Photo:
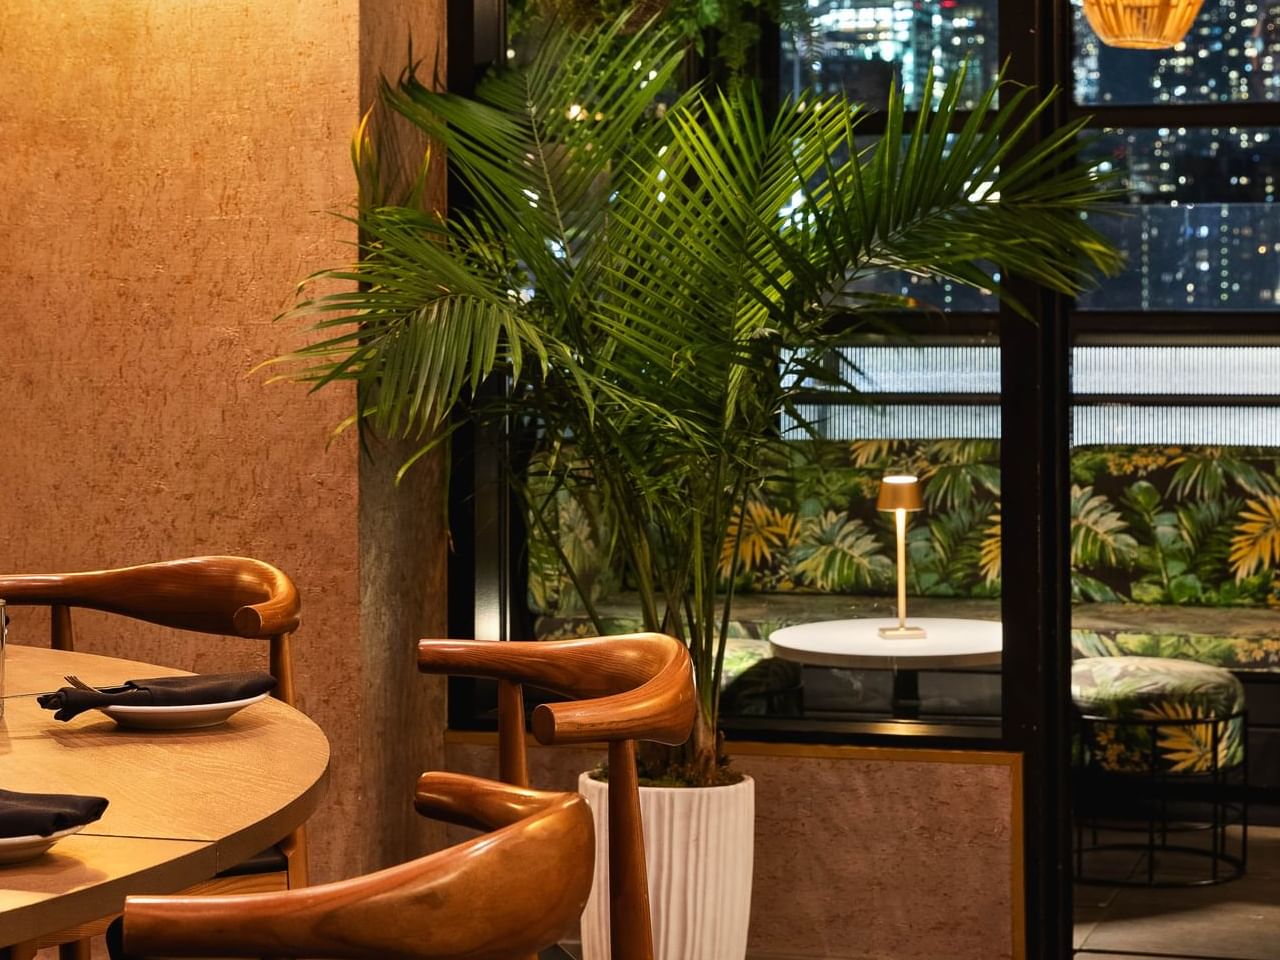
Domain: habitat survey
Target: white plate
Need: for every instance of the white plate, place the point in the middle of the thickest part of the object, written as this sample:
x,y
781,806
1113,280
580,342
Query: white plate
x,y
185,717
18,849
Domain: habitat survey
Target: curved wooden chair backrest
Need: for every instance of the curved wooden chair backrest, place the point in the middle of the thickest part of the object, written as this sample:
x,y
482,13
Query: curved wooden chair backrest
x,y
227,596
512,892
625,688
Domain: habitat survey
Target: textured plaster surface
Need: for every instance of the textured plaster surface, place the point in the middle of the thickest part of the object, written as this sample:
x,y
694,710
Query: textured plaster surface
x,y
167,169
888,860
858,859
403,530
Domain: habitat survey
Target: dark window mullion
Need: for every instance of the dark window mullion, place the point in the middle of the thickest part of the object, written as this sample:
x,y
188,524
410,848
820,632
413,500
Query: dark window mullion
x,y
909,327
835,398
1142,325
1177,114
1166,400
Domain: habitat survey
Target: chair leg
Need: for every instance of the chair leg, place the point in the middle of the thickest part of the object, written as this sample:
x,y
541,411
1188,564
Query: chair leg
x,y
630,931
76,950
19,951
62,635
295,852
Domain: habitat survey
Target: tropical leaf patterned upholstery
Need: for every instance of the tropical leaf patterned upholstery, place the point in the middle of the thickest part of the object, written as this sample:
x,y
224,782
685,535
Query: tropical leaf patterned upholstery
x,y
1149,524
1164,525
1200,703
1230,653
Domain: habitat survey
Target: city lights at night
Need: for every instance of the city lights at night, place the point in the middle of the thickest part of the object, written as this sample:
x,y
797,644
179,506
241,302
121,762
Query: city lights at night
x,y
1201,227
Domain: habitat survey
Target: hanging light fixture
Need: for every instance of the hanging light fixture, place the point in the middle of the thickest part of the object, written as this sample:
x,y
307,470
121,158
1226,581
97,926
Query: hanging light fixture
x,y
1141,24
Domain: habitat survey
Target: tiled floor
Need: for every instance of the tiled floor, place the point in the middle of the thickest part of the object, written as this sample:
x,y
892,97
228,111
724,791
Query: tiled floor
x,y
1239,920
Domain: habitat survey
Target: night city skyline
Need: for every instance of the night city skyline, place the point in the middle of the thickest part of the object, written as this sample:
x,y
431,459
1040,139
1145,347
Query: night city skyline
x,y
1201,228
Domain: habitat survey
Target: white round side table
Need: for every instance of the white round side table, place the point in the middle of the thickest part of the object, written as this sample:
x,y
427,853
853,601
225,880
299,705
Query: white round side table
x,y
948,642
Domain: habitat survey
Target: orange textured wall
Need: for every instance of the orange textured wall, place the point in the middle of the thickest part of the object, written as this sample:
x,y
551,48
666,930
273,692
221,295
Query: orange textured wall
x,y
166,166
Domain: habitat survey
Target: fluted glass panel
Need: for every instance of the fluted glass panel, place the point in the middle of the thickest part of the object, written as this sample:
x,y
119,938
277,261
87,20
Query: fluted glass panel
x,y
1127,424
862,421
1191,370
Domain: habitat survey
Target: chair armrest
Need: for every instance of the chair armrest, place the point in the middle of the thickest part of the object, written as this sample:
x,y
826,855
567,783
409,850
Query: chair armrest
x,y
505,894
630,687
475,802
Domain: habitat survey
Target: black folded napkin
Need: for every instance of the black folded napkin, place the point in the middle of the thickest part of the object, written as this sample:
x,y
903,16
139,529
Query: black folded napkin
x,y
160,692
40,814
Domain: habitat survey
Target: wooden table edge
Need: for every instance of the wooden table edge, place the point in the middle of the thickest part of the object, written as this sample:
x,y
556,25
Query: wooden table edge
x,y
30,921
237,849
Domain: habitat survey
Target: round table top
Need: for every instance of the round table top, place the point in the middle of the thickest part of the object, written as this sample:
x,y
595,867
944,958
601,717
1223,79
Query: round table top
x,y
184,804
948,642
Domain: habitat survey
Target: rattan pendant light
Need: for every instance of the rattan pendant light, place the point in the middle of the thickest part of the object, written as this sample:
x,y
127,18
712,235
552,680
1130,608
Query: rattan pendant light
x,y
1141,24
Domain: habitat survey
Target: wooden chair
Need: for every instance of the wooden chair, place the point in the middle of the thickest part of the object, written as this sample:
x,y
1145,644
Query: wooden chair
x,y
225,596
511,892
625,688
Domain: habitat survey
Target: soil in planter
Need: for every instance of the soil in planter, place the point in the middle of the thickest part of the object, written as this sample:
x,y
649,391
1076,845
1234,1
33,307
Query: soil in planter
x,y
675,777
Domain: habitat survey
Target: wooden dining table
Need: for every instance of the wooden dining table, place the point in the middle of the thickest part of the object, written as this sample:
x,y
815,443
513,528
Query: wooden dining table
x,y
184,804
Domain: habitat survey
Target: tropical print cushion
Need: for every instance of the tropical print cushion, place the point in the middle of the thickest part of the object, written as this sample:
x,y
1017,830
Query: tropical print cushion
x,y
1228,652
1149,524
1191,696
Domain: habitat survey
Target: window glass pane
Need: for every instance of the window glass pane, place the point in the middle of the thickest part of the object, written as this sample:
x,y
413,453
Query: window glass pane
x,y
900,387
935,292
888,421
1193,165
1203,232
1175,480
930,408
1176,392
1165,423
916,368
1186,369
1232,53
858,46
814,548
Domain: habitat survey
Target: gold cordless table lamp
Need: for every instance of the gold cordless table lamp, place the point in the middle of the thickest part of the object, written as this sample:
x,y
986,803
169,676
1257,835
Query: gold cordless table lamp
x,y
900,493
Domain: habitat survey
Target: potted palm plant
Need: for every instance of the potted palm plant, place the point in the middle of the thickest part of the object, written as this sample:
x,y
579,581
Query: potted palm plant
x,y
651,277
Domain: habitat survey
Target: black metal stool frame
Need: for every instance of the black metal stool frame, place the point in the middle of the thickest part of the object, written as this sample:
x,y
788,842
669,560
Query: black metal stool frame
x,y
1160,784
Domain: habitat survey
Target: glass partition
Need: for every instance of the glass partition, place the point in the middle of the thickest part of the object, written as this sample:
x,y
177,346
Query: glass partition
x,y
1232,54
859,46
1200,227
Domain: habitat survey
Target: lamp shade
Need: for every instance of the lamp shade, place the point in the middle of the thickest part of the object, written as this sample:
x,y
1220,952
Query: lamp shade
x,y
1141,24
899,491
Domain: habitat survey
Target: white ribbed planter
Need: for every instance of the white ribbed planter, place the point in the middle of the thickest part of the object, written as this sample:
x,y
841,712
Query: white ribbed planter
x,y
699,846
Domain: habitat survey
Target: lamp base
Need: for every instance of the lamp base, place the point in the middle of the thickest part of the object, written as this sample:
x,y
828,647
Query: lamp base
x,y
902,633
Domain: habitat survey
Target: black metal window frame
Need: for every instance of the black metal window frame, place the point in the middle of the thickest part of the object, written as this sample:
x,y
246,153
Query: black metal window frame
x,y
486,579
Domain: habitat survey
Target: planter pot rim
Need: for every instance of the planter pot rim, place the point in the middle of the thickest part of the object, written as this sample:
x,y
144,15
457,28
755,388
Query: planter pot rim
x,y
745,782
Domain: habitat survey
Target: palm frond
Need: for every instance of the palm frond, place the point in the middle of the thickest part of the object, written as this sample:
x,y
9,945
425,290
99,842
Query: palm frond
x,y
1097,531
